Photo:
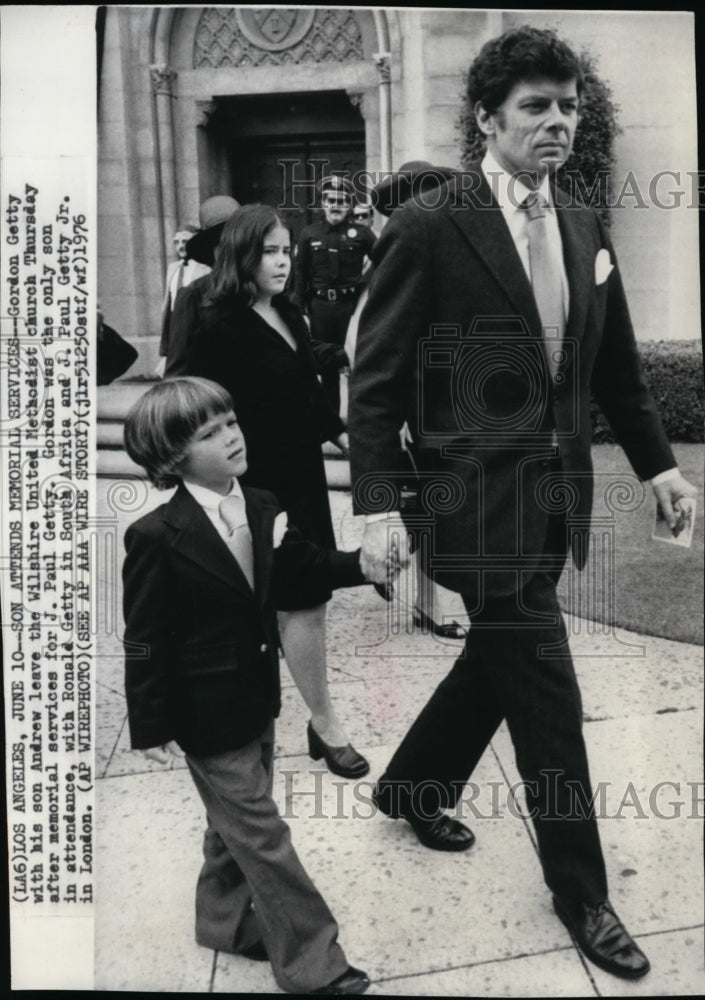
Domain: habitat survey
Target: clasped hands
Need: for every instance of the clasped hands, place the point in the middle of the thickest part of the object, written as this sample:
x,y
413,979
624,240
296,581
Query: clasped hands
x,y
385,550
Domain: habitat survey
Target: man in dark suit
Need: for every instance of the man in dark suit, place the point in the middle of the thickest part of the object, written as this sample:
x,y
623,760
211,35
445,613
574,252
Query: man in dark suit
x,y
494,308
200,249
179,274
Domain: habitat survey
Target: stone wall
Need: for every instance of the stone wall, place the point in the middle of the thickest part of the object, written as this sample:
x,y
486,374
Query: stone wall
x,y
647,59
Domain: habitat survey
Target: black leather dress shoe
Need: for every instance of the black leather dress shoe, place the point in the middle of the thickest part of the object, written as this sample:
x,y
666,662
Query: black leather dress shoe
x,y
344,761
351,982
257,952
602,937
439,832
451,631
442,833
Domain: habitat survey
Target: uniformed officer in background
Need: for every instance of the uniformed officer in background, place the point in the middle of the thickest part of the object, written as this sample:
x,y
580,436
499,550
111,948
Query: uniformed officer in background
x,y
363,213
330,259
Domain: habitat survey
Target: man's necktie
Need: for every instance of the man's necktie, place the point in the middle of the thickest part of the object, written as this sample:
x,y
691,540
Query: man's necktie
x,y
545,278
239,539
179,283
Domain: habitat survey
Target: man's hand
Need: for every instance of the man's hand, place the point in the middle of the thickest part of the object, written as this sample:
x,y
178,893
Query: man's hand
x,y
385,550
669,492
343,444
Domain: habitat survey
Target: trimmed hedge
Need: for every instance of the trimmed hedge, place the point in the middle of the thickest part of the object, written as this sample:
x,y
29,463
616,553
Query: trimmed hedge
x,y
674,372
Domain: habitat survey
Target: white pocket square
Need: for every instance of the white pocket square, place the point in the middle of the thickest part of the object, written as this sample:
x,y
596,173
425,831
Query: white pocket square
x,y
603,266
279,529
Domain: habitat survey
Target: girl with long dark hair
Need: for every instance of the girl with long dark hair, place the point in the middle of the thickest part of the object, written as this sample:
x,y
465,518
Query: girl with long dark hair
x,y
253,341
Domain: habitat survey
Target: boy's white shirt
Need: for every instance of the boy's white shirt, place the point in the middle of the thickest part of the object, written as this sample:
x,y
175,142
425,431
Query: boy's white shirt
x,y
210,501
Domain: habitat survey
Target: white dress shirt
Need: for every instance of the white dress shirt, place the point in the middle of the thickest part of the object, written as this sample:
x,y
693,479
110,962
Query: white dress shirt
x,y
509,193
189,270
210,501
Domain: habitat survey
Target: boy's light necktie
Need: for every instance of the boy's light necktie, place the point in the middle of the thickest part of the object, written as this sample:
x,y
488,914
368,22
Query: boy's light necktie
x,y
239,539
545,278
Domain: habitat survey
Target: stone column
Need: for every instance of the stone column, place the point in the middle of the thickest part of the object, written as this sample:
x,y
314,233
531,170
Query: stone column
x,y
383,62
163,83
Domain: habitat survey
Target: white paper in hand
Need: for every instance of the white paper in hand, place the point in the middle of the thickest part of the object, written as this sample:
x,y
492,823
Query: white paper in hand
x,y
682,533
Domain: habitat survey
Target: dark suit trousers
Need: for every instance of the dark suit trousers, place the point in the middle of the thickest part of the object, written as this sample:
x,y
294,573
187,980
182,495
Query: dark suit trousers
x,y
252,883
329,323
516,665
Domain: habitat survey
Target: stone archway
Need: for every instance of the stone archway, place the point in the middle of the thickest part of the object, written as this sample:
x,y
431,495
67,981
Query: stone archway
x,y
198,55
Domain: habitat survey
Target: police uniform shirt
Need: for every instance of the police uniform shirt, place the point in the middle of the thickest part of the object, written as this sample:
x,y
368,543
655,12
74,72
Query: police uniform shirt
x,y
331,257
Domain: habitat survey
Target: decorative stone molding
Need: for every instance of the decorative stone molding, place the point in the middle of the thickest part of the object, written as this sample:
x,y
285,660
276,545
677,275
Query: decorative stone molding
x,y
266,36
274,29
383,62
357,100
205,111
163,79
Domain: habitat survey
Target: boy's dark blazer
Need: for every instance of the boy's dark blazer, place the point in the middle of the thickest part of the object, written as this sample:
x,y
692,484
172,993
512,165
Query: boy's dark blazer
x,y
201,663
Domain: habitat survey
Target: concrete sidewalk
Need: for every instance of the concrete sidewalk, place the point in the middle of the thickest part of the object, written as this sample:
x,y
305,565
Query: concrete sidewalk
x,y
420,922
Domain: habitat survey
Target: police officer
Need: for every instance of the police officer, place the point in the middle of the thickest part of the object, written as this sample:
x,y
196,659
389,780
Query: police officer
x,y
330,258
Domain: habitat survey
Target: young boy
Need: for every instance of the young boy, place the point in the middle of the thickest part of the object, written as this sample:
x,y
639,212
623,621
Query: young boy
x,y
202,576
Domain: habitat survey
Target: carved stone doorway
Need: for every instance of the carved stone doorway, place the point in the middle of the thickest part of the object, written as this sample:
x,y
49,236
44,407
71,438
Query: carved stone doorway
x,y
274,148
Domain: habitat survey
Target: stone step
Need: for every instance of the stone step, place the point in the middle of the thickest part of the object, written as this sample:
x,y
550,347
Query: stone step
x,y
115,400
109,434
116,464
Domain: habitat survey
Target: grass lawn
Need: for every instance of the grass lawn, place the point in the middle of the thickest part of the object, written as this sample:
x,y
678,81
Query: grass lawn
x,y
646,585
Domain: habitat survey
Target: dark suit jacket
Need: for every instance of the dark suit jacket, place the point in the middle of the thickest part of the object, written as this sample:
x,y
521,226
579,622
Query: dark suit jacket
x,y
183,327
183,330
201,664
194,272
450,340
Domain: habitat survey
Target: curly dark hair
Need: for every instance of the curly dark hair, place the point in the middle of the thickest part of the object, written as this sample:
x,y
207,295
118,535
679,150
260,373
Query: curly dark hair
x,y
590,164
519,54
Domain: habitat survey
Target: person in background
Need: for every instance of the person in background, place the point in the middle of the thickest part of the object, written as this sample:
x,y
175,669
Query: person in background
x,y
363,214
330,259
200,248
435,609
179,274
114,355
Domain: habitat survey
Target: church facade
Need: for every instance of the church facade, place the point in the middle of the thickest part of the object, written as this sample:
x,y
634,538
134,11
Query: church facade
x,y
259,102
